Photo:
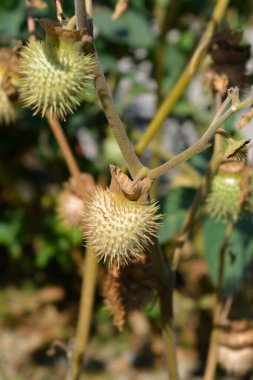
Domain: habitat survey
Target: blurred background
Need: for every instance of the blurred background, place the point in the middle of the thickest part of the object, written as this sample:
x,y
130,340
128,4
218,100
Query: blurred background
x,y
41,257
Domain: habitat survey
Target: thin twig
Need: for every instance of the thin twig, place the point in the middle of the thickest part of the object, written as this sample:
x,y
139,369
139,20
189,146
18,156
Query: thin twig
x,y
85,312
81,17
165,292
202,143
65,148
188,73
30,22
190,217
217,309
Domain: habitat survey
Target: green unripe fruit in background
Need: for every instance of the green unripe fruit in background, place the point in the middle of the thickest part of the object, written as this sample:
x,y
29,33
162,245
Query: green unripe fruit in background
x,y
225,198
54,72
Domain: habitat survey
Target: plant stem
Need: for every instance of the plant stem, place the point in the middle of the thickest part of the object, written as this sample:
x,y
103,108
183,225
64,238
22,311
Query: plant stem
x,y
196,148
90,262
165,291
185,77
65,148
202,143
165,15
30,22
204,184
81,17
217,308
85,312
104,94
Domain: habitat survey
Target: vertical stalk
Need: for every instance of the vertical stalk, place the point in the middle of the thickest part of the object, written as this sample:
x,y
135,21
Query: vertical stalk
x,y
165,292
85,312
105,97
89,268
81,17
217,308
65,148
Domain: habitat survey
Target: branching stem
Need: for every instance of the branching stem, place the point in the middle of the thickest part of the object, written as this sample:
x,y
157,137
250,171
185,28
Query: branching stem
x,y
202,143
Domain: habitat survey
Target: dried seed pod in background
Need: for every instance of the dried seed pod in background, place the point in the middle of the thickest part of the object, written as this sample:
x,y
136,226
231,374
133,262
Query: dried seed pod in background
x,y
129,288
9,74
58,70
235,350
229,192
229,61
119,222
70,202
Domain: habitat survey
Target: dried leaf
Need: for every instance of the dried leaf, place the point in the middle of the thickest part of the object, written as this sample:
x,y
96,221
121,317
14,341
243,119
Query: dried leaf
x,y
129,288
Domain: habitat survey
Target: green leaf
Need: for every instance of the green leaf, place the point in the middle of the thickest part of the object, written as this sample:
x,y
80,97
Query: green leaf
x,y
174,64
174,206
44,255
131,28
11,20
239,253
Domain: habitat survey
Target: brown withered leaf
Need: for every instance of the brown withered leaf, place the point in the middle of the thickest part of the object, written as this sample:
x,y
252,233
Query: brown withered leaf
x,y
229,59
129,288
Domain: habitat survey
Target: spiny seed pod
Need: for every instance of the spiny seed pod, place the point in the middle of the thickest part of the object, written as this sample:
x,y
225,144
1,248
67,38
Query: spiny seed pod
x,y
8,81
225,200
238,362
70,208
55,72
235,350
119,229
70,202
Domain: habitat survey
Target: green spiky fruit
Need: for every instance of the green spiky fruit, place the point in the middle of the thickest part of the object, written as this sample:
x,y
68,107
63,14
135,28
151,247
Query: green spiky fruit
x,y
53,77
118,229
224,200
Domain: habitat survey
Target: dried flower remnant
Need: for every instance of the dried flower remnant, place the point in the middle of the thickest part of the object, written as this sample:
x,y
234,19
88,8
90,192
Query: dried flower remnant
x,y
70,201
58,69
237,149
235,350
9,73
119,222
228,197
129,288
229,61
